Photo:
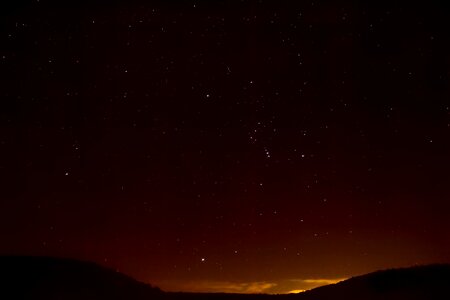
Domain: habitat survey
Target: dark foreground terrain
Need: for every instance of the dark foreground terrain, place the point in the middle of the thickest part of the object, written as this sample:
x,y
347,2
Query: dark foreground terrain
x,y
52,278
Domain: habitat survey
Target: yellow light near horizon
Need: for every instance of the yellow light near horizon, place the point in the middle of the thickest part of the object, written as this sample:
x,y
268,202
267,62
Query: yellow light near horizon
x,y
296,291
324,281
303,285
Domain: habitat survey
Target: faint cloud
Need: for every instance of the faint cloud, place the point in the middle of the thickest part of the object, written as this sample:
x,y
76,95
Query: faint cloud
x,y
207,286
245,287
284,286
259,287
323,281
301,285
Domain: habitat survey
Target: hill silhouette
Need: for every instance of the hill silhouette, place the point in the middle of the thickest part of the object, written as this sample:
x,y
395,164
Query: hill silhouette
x,y
421,282
55,278
23,277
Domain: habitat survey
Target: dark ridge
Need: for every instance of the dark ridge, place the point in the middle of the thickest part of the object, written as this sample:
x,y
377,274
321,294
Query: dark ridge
x,y
420,282
27,277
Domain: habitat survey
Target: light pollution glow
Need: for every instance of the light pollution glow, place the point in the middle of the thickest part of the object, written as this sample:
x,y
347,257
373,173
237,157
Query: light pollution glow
x,y
260,287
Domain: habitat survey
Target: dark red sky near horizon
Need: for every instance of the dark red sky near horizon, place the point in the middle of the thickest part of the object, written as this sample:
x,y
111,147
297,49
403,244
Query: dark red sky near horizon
x,y
237,146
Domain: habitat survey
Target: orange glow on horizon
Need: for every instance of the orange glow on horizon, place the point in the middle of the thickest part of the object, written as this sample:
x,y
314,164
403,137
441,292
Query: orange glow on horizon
x,y
289,286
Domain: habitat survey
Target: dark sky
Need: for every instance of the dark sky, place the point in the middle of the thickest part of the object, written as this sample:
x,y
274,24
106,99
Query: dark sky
x,y
249,146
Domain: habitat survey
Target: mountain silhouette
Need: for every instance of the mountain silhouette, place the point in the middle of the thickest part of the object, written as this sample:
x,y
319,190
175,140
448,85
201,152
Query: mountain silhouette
x,y
23,277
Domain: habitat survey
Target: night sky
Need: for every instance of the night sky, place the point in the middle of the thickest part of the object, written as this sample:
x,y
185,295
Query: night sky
x,y
236,146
